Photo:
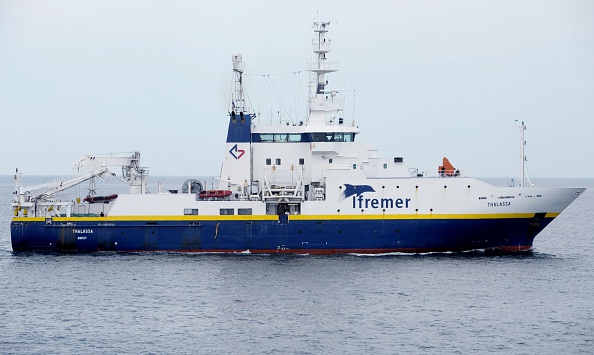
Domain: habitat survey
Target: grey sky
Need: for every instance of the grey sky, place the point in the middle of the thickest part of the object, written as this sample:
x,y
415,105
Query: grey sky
x,y
432,79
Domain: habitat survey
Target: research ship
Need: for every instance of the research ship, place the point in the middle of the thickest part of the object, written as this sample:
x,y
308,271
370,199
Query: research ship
x,y
307,187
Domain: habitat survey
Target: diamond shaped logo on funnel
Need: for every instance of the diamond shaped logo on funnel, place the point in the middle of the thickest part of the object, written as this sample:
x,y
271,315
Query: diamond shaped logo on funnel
x,y
237,153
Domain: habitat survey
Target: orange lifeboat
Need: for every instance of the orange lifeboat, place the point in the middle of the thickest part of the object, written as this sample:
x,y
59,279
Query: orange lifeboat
x,y
447,169
214,194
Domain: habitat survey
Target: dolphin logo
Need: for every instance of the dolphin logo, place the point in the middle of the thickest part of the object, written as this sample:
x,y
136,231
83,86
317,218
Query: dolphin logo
x,y
350,190
237,153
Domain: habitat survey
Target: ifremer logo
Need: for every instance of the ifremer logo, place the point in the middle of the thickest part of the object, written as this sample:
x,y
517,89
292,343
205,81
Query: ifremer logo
x,y
350,190
359,201
237,153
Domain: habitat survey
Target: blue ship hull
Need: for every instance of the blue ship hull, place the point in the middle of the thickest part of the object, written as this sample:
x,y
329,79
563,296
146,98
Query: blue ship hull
x,y
270,235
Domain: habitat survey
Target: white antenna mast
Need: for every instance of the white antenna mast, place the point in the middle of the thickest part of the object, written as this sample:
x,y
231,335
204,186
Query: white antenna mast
x,y
318,97
238,101
354,93
522,170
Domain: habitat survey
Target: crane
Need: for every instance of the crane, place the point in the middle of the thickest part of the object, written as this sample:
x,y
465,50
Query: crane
x,y
88,167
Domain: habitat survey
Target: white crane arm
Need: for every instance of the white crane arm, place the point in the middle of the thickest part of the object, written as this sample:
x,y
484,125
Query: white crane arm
x,y
63,185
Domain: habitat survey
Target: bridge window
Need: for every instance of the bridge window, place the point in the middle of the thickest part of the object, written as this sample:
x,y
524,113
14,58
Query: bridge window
x,y
268,161
305,137
294,138
301,161
332,137
278,161
279,137
267,137
317,137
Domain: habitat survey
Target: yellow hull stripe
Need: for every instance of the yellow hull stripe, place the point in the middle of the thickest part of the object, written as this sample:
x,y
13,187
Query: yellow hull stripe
x,y
420,216
349,217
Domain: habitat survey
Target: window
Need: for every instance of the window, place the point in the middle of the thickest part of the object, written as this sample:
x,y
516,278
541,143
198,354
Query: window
x,y
244,211
332,137
330,161
226,211
268,161
385,166
354,166
190,211
278,161
317,137
278,137
266,137
294,138
301,161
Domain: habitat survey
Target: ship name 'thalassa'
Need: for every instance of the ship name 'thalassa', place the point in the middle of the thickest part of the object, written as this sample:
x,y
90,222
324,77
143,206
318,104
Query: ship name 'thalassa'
x,y
82,231
499,204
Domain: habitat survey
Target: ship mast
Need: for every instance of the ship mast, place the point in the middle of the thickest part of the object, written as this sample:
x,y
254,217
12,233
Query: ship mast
x,y
524,179
241,116
238,101
318,103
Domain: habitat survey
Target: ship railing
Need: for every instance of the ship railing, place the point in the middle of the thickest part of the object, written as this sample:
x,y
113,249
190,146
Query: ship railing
x,y
323,47
287,190
331,104
334,104
341,166
283,183
43,208
285,176
322,67
434,174
85,209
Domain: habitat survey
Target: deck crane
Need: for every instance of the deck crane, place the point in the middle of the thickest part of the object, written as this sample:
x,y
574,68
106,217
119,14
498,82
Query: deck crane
x,y
27,198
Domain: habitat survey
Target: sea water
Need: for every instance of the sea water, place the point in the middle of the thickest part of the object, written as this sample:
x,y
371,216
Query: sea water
x,y
535,303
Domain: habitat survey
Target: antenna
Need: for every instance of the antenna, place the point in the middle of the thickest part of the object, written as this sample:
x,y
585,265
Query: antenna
x,y
523,177
320,102
354,93
238,101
